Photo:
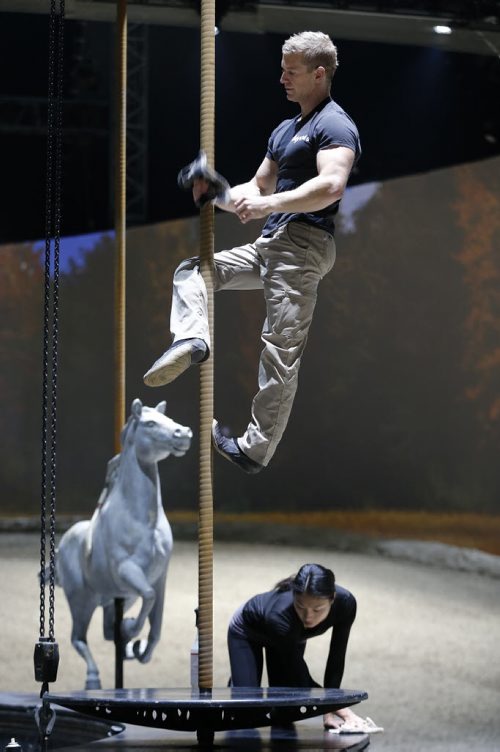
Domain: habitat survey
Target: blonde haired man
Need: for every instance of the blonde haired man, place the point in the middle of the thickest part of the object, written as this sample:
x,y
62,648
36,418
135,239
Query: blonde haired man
x,y
316,49
298,187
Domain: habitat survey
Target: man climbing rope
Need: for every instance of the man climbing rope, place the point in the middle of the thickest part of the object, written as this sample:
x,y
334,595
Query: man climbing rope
x,y
298,187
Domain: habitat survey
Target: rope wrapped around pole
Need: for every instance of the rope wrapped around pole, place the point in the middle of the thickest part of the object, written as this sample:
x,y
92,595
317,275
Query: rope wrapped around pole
x,y
121,41
120,216
205,517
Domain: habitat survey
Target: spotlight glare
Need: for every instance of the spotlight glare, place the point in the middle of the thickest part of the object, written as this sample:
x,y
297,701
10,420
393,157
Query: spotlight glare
x,y
442,29
216,30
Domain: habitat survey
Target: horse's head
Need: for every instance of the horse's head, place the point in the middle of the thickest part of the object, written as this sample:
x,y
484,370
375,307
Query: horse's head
x,y
155,435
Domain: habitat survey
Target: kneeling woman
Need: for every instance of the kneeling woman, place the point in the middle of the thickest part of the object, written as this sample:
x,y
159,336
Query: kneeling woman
x,y
280,621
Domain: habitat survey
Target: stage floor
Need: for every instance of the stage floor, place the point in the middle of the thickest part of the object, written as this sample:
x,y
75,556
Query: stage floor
x,y
305,735
76,732
413,620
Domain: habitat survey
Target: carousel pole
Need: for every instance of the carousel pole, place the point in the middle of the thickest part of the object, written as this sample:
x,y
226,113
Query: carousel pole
x,y
120,216
120,268
205,516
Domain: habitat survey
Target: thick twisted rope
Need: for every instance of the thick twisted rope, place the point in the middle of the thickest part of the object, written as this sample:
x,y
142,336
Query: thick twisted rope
x,y
205,518
121,28
120,216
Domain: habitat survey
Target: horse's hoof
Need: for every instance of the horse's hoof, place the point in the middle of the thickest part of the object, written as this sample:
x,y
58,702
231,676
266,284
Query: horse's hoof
x,y
141,652
128,629
128,652
94,683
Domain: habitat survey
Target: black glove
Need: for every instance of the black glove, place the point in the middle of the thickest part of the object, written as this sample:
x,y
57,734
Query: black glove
x,y
218,187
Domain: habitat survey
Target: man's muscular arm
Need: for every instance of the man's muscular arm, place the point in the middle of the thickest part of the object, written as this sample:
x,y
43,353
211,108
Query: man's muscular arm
x,y
334,166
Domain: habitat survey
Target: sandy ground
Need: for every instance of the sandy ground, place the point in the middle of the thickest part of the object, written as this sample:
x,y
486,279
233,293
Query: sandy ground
x,y
425,645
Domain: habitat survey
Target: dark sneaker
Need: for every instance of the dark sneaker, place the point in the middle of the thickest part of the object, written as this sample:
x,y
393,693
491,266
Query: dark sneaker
x,y
175,361
229,448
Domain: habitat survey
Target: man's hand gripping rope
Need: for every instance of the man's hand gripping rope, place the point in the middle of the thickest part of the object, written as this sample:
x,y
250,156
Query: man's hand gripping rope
x,y
217,186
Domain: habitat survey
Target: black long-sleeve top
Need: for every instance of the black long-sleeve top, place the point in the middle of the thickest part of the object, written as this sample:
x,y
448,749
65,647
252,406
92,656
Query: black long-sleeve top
x,y
270,620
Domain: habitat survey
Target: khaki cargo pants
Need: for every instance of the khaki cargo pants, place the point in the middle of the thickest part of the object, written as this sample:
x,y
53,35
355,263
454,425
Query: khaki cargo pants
x,y
288,267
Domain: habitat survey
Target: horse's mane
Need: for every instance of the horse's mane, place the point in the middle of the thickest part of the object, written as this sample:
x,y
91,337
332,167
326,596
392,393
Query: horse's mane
x,y
110,479
128,428
126,435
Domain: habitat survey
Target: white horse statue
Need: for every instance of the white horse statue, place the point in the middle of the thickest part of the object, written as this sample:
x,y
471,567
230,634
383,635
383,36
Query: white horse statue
x,y
124,550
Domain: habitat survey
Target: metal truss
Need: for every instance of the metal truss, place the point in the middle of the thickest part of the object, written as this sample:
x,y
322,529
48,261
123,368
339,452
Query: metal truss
x,y
137,124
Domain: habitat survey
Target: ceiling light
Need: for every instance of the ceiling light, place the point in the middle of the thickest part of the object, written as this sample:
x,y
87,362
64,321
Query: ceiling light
x,y
442,29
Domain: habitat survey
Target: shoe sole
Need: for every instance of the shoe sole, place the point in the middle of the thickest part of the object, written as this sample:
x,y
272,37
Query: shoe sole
x,y
169,366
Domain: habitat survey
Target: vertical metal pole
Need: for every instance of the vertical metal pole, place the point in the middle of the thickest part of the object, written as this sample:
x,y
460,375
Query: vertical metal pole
x,y
120,216
205,521
120,269
119,645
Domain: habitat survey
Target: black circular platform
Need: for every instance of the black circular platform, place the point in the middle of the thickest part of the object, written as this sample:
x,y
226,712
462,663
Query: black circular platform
x,y
17,720
223,709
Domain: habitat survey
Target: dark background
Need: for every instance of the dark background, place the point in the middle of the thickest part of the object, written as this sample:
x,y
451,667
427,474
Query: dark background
x,y
417,108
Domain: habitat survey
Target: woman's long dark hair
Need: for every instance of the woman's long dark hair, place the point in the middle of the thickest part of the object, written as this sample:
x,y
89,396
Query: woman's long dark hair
x,y
312,579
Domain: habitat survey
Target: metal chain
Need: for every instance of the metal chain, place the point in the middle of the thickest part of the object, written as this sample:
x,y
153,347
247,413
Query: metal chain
x,y
55,311
51,304
46,309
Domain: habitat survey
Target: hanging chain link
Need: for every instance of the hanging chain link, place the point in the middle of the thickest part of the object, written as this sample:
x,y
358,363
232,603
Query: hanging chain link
x,y
53,198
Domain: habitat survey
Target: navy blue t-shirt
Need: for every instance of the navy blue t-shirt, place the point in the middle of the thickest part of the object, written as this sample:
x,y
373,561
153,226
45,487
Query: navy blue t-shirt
x,y
294,145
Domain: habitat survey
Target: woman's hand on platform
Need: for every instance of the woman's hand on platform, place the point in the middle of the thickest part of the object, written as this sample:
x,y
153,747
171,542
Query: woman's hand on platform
x,y
332,720
345,715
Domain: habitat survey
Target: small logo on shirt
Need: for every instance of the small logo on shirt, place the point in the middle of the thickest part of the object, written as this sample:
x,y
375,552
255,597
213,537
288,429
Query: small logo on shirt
x,y
300,138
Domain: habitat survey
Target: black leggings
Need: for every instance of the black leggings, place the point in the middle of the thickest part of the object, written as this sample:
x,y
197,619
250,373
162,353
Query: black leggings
x,y
247,661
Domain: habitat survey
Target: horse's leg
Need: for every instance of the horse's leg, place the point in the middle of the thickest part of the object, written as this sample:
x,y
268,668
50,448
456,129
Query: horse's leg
x,y
82,601
133,578
155,622
109,615
82,607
